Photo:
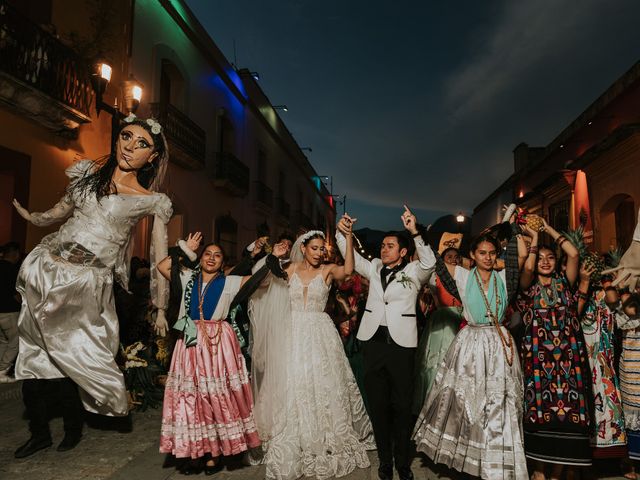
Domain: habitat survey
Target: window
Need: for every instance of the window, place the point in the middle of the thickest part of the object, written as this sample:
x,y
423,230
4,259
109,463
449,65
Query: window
x,y
262,166
226,236
559,215
172,86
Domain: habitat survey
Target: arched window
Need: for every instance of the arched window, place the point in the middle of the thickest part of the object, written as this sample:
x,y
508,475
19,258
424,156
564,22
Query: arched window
x,y
226,235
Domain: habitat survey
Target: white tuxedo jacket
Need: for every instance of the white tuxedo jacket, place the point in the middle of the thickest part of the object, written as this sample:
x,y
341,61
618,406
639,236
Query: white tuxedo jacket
x,y
396,304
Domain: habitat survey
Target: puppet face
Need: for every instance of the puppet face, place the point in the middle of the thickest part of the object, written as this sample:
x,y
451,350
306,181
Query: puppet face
x,y
134,148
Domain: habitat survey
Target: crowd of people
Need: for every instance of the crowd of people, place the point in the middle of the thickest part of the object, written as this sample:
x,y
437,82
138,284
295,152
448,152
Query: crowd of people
x,y
520,360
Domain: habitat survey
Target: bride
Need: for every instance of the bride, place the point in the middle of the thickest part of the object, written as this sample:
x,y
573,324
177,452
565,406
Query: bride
x,y
308,408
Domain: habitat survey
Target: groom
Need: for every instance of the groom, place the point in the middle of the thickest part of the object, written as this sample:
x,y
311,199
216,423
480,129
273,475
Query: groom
x,y
389,334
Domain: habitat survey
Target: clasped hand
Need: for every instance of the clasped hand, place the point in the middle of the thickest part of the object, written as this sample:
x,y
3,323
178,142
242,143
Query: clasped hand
x,y
345,225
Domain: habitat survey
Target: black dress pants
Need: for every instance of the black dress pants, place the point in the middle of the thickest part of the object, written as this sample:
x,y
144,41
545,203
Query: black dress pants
x,y
41,394
388,382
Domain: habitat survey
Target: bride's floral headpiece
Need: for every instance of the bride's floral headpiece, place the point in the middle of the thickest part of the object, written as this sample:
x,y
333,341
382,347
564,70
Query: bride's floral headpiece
x,y
156,128
306,236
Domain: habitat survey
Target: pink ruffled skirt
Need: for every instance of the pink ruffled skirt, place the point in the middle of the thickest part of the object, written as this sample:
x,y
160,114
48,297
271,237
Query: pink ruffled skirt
x,y
208,403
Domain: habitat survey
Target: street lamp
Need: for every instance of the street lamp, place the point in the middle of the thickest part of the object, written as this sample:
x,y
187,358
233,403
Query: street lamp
x,y
341,200
280,107
131,95
460,218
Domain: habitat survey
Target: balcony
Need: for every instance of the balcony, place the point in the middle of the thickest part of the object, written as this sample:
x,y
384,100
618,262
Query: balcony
x,y
230,174
41,78
264,195
187,141
282,207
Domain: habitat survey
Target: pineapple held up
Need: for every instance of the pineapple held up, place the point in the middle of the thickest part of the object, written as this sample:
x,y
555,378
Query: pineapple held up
x,y
535,223
589,259
532,221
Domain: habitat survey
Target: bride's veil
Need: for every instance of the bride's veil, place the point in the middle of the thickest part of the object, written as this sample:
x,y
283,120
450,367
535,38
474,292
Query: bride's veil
x,y
271,324
271,332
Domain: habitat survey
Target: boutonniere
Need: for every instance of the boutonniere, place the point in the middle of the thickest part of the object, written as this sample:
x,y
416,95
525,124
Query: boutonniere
x,y
404,280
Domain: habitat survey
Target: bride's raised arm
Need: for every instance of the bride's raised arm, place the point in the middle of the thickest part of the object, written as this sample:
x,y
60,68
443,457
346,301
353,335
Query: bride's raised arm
x,y
345,227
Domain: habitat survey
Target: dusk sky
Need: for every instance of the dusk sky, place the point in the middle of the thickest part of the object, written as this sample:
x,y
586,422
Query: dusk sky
x,y
422,101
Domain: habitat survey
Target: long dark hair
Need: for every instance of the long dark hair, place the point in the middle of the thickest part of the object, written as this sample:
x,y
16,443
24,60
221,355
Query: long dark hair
x,y
98,181
484,237
214,244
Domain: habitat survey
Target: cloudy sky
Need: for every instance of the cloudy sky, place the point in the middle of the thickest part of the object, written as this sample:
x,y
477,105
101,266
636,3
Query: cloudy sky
x,y
423,101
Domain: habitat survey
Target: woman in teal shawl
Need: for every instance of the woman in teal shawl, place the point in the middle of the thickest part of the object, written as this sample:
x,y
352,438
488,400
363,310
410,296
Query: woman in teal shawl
x,y
471,420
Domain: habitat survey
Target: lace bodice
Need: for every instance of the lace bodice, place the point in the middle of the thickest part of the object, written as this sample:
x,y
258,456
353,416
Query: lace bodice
x,y
311,297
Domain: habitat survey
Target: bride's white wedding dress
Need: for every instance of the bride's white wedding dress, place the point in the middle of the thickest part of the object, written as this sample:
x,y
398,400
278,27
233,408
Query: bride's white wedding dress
x,y
324,431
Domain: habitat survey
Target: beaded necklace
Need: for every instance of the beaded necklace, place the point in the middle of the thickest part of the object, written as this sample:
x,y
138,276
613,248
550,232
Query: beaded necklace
x,y
214,340
494,316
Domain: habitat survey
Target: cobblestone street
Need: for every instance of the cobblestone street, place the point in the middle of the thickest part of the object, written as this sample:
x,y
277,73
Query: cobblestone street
x,y
107,454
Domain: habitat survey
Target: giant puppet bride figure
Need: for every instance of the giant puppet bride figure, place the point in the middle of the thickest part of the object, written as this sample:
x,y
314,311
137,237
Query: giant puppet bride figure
x,y
68,328
308,409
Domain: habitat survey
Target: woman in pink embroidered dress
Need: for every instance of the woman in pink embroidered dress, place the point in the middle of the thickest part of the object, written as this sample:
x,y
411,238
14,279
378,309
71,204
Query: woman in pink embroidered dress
x,y
208,403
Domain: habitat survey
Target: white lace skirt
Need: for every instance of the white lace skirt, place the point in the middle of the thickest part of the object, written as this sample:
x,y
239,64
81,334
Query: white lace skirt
x,y
472,418
326,432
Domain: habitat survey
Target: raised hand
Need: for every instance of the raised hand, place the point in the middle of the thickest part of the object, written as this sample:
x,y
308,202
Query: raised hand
x,y
23,212
530,232
193,240
628,270
280,249
259,245
586,272
409,221
345,225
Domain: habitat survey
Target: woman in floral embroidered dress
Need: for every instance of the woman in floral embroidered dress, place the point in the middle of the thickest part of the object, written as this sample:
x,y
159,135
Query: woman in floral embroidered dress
x,y
608,435
554,360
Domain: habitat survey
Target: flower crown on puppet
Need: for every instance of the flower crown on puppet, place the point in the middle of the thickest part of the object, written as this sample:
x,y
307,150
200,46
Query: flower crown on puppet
x,y
156,128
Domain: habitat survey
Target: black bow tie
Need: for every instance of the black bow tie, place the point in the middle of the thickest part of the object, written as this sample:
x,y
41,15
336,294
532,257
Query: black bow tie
x,y
387,274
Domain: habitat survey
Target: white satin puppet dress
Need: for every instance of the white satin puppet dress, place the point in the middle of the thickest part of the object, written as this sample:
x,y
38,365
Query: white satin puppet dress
x,y
68,325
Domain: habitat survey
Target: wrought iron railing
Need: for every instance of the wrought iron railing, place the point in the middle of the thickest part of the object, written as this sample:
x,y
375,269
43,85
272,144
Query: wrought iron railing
x,y
181,132
231,174
264,194
38,59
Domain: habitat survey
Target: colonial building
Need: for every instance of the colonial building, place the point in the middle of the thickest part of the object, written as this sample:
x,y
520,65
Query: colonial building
x,y
234,164
588,175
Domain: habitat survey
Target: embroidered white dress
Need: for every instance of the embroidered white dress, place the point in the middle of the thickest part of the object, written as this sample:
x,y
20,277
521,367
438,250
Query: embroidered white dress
x,y
472,418
325,431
